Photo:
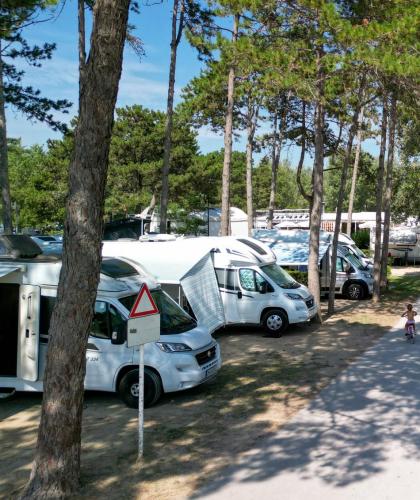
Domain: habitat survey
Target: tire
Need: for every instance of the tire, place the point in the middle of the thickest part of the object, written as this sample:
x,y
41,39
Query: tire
x,y
355,291
128,388
275,321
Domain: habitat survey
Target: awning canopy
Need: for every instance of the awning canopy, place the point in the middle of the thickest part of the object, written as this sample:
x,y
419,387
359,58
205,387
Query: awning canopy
x,y
6,269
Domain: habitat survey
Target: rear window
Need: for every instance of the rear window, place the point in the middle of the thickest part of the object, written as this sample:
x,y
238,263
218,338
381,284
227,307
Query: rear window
x,y
254,246
116,268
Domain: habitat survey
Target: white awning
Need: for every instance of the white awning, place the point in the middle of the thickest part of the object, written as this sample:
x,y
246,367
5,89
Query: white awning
x,y
6,269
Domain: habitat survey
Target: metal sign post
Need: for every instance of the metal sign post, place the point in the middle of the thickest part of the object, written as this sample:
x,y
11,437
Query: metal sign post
x,y
143,327
141,401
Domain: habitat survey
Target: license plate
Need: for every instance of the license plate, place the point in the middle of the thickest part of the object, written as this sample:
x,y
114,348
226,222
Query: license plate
x,y
211,371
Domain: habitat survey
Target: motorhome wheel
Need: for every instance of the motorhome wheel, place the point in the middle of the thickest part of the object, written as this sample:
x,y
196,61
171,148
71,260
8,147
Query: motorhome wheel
x,y
275,321
129,388
355,291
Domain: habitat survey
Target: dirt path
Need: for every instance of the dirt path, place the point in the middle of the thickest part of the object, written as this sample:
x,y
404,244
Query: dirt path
x,y
192,436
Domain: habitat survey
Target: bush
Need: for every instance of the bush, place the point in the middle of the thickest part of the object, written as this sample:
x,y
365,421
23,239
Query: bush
x,y
361,238
300,276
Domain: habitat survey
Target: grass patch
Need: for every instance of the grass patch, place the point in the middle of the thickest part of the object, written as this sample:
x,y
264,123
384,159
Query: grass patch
x,y
405,287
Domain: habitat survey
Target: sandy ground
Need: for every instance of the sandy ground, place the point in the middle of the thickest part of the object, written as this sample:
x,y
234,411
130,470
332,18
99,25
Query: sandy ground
x,y
191,436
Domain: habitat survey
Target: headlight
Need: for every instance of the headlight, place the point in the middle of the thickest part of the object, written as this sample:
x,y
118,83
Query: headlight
x,y
367,275
172,347
294,296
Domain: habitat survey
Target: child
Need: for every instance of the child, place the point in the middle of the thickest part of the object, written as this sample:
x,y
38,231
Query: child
x,y
409,314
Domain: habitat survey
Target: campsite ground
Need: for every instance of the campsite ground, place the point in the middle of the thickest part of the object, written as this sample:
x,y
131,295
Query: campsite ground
x,y
191,436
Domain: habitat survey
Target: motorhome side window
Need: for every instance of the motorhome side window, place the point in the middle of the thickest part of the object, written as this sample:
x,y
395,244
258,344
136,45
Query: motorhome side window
x,y
226,278
342,266
252,281
105,320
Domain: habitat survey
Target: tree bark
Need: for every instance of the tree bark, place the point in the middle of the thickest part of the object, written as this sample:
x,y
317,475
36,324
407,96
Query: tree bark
x,y
56,467
177,28
302,191
355,171
340,202
388,189
379,194
4,163
251,126
227,160
318,189
82,41
275,160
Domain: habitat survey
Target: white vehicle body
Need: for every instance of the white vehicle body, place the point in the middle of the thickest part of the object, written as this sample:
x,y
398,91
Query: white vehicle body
x,y
184,357
291,248
346,241
167,261
404,244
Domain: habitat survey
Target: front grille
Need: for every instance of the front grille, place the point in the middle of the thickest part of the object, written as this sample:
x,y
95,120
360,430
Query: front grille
x,y
206,356
309,303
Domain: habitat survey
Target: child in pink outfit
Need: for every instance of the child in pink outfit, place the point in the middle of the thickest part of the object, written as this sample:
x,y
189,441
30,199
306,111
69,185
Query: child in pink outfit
x,y
410,313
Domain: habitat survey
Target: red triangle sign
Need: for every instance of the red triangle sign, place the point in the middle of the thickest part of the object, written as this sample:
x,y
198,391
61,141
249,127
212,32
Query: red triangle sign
x,y
144,304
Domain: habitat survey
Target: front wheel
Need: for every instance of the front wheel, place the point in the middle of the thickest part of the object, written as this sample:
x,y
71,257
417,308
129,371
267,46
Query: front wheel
x,y
275,322
128,388
355,291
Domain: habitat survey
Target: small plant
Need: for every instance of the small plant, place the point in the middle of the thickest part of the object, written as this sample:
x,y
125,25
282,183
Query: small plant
x,y
361,238
300,276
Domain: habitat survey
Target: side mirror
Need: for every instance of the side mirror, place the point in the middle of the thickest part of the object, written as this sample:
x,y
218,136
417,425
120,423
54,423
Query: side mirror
x,y
119,334
263,288
239,294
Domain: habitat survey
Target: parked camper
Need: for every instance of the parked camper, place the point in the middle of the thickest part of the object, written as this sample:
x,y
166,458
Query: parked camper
x,y
404,244
253,288
291,248
345,241
185,356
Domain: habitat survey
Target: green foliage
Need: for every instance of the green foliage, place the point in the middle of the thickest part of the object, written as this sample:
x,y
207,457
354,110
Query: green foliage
x,y
406,199
361,238
300,276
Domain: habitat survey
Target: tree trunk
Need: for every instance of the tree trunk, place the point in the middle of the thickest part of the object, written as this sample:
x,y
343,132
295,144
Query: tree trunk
x,y
379,194
388,189
82,38
355,171
227,160
340,202
176,38
56,467
251,126
275,160
318,189
302,191
4,163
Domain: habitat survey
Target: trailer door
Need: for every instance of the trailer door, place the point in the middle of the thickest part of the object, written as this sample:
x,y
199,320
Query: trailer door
x,y
28,347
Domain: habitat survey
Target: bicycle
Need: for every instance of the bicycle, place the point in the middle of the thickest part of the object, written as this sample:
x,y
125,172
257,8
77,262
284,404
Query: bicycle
x,y
411,334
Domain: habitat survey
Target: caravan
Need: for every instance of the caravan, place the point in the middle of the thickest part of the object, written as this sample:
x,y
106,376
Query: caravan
x,y
353,278
186,355
250,287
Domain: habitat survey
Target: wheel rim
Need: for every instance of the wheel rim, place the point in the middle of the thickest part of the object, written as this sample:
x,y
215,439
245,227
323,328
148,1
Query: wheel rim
x,y
274,322
354,292
134,389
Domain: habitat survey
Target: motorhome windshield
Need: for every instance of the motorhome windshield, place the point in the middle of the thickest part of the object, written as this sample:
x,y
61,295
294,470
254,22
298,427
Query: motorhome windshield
x,y
280,276
358,251
355,261
173,319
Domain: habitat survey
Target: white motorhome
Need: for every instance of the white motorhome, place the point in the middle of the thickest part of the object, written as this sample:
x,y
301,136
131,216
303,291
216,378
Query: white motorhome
x,y
185,355
291,247
404,244
253,288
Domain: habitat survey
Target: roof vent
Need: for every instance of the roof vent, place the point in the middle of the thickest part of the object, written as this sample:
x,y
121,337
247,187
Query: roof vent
x,y
18,246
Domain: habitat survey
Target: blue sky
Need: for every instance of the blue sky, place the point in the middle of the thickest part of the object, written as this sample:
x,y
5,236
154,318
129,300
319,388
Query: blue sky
x,y
143,82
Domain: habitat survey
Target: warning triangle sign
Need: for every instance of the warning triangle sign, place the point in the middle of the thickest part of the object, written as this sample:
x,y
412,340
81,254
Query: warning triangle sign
x,y
144,304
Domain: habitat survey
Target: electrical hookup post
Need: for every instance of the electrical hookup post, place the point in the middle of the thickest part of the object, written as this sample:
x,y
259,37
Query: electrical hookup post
x,y
143,327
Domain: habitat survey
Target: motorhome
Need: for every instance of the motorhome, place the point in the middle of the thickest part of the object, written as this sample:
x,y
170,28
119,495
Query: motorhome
x,y
254,290
353,279
404,244
185,355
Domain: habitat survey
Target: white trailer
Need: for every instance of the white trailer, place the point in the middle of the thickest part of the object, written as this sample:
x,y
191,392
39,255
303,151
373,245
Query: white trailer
x,y
185,355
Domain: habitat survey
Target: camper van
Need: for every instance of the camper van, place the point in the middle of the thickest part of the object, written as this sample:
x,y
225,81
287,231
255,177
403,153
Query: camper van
x,y
185,355
291,247
251,288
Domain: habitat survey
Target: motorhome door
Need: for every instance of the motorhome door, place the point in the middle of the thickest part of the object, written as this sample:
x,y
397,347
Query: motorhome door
x,y
29,301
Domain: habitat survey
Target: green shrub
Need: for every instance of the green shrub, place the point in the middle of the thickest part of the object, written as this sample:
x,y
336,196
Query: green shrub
x,y
361,238
300,276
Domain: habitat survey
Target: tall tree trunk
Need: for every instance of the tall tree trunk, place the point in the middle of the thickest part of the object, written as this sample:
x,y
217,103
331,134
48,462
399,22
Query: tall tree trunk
x,y
251,126
318,190
302,191
56,468
340,202
388,189
275,160
82,39
379,194
4,163
177,28
355,171
227,160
